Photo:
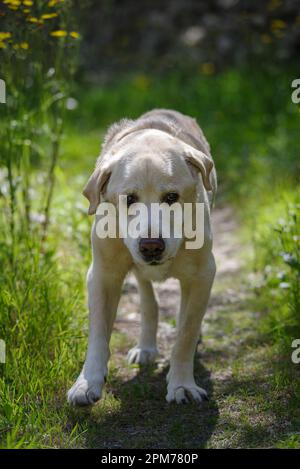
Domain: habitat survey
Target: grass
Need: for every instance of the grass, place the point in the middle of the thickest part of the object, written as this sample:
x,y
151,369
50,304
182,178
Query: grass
x,y
249,375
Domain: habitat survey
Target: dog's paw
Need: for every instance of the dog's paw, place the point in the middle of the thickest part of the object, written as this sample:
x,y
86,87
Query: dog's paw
x,y
84,392
186,393
142,356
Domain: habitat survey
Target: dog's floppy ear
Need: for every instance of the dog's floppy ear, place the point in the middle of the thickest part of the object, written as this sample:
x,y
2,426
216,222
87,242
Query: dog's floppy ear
x,y
202,163
95,186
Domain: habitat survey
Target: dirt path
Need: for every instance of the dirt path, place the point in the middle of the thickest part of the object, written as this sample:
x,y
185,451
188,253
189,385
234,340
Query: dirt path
x,y
231,364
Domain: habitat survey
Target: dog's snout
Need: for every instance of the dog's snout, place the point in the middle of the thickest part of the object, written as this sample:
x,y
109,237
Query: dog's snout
x,y
151,248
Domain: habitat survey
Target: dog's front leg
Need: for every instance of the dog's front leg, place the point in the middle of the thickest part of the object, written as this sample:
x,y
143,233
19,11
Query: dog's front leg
x,y
104,290
195,295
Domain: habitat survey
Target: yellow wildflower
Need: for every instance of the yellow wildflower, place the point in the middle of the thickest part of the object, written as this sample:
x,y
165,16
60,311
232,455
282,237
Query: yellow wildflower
x,y
2,45
58,33
26,10
49,16
74,34
33,19
22,45
27,3
12,4
4,35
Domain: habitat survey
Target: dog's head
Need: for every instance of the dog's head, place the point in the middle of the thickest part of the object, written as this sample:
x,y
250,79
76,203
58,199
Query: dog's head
x,y
150,168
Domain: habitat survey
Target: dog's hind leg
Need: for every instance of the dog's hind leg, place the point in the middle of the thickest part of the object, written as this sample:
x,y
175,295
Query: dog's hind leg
x,y
146,350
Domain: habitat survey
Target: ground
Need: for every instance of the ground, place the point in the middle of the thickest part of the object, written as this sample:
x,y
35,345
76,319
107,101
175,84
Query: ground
x,y
246,408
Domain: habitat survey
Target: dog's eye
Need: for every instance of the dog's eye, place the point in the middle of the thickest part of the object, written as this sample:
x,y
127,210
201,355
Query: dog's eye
x,y
171,198
131,199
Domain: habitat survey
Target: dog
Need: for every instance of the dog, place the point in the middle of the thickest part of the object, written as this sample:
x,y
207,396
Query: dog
x,y
161,157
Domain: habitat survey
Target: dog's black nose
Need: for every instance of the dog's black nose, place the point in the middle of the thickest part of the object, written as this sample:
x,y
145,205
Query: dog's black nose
x,y
151,248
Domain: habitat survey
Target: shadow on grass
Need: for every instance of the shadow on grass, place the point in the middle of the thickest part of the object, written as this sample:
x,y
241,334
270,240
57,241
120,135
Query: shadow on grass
x,y
138,415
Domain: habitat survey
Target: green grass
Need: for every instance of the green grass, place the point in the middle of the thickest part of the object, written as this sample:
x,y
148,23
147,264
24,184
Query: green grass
x,y
253,129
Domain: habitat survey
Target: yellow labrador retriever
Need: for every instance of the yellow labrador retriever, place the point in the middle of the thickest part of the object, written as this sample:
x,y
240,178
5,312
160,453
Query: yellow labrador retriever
x,y
162,157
